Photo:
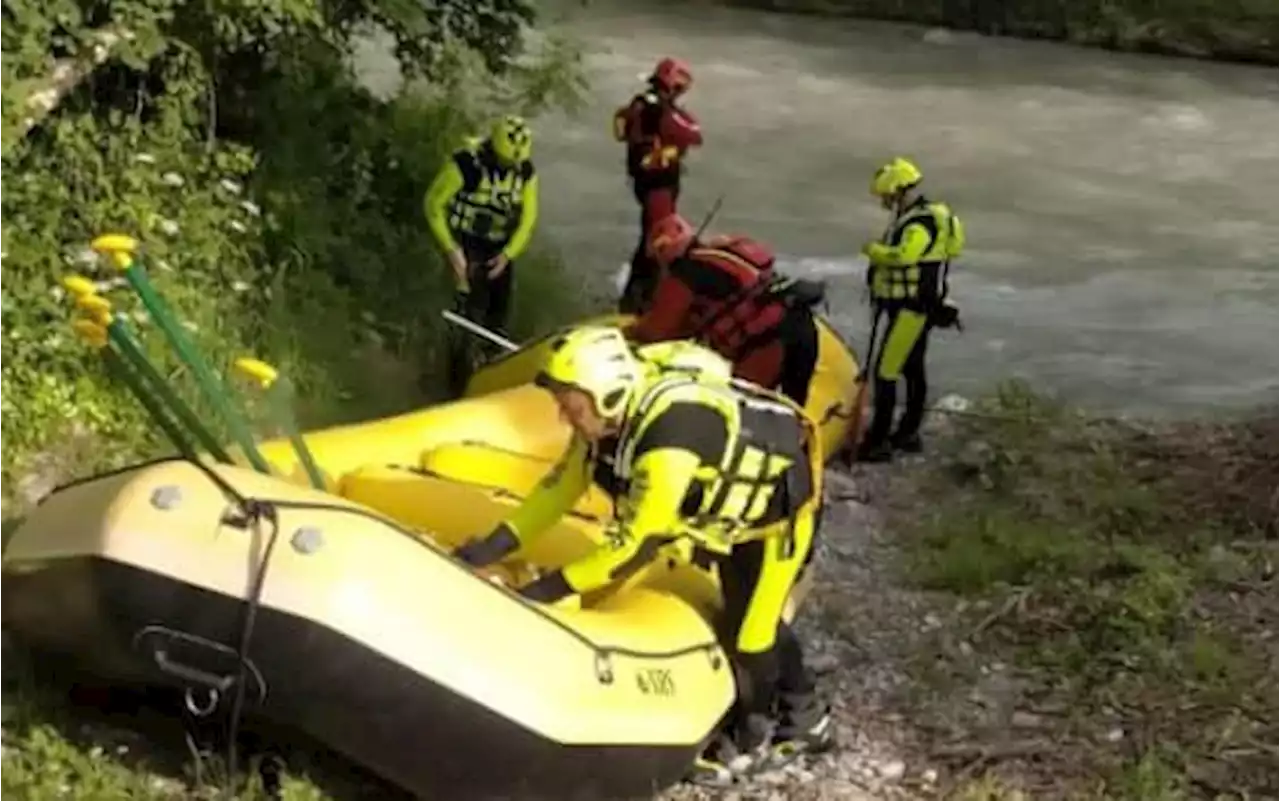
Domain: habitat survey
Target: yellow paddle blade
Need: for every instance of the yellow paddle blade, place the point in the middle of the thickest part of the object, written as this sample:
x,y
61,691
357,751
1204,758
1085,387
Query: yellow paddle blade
x,y
257,370
78,285
92,332
118,246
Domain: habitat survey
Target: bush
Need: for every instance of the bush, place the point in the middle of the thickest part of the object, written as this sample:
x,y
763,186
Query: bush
x,y
1233,30
278,201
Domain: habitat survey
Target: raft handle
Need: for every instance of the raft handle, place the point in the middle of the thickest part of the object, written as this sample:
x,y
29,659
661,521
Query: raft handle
x,y
162,643
218,684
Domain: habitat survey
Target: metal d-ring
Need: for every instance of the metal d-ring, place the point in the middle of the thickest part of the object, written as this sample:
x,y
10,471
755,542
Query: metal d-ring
x,y
212,696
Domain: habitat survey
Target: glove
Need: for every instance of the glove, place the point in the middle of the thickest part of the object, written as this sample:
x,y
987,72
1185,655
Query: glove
x,y
548,589
947,315
460,297
489,549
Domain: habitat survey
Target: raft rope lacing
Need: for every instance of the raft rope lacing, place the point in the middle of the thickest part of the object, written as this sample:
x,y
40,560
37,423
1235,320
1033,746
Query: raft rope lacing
x,y
254,511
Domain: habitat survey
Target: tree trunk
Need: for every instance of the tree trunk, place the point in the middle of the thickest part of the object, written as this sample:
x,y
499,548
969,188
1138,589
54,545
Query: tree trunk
x,y
67,74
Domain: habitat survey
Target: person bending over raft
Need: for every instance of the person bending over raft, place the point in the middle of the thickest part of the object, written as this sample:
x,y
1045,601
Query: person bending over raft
x,y
655,436
723,292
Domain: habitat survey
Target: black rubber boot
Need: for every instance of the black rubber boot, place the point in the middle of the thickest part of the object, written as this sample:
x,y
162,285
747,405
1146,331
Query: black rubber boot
x,y
874,452
907,443
741,750
801,731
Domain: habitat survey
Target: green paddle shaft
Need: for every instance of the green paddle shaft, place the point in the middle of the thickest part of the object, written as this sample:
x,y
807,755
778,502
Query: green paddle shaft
x,y
131,352
186,350
279,398
119,368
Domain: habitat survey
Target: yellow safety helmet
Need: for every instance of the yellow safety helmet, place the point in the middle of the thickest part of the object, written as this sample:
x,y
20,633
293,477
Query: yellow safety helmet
x,y
894,177
685,356
597,360
512,139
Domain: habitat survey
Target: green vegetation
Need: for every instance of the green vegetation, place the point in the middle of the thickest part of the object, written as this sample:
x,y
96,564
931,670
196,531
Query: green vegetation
x,y
1231,30
279,205
89,744
278,200
1128,573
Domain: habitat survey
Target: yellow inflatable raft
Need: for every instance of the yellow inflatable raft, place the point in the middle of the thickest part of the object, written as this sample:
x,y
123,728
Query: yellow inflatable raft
x,y
364,632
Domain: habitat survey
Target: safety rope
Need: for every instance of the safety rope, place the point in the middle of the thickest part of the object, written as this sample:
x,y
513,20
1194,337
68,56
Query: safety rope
x,y
258,511
197,715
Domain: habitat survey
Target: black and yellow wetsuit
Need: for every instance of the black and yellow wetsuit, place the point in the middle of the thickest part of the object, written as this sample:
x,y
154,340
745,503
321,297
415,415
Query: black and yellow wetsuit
x,y
735,469
484,207
908,286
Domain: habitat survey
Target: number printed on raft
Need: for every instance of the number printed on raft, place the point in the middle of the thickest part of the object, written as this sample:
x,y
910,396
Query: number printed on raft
x,y
656,681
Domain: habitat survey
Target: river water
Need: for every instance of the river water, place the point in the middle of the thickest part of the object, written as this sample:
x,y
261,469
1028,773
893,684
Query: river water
x,y
1121,210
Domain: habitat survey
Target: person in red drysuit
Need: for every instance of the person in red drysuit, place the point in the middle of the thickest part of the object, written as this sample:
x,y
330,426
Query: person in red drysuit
x,y
658,133
724,293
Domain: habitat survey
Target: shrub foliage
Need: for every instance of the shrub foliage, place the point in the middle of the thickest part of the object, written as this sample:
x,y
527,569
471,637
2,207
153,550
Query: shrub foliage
x,y
278,199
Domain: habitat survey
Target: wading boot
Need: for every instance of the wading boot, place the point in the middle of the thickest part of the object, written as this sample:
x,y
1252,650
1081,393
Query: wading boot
x,y
804,729
874,452
907,443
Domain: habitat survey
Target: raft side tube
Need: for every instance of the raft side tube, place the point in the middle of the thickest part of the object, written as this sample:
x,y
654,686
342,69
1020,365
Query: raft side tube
x,y
407,727
344,568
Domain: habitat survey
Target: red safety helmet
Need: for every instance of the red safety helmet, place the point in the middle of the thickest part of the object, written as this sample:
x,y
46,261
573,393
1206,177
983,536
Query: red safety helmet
x,y
670,238
673,74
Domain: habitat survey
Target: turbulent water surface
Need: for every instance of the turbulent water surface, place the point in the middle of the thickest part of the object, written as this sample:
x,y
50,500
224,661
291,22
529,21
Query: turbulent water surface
x,y
1121,210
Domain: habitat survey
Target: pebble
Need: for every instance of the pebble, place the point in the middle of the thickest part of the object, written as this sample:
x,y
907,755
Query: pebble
x,y
1025,720
937,36
953,403
772,777
892,770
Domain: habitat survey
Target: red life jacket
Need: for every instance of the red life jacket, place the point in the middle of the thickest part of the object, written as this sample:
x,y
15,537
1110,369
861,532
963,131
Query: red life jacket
x,y
657,134
736,308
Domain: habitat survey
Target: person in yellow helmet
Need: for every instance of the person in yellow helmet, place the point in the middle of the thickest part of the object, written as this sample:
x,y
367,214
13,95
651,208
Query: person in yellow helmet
x,y
686,452
907,276
482,208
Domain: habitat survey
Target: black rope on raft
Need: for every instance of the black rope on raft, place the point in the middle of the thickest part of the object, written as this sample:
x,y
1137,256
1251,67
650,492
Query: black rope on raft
x,y
252,512
257,511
